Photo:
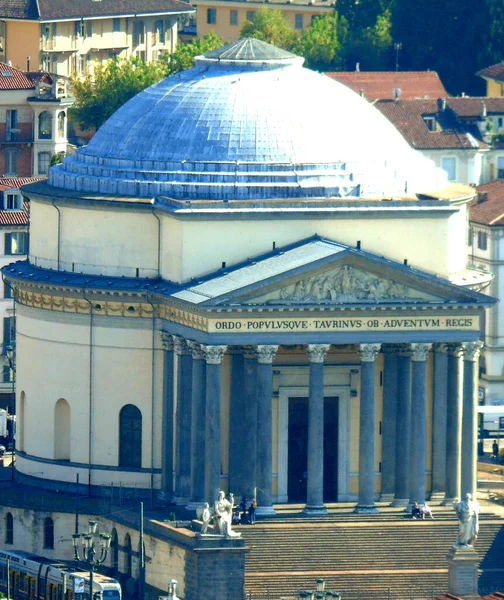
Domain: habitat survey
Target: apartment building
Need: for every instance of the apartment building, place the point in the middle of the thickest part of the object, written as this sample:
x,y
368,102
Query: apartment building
x,y
69,38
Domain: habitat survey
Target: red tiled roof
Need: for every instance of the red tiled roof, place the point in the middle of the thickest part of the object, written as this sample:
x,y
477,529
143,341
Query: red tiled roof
x,y
494,596
471,107
16,217
13,79
488,206
493,72
408,118
379,85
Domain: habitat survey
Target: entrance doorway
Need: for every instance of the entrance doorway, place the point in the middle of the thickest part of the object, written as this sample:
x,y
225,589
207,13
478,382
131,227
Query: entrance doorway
x,y
298,449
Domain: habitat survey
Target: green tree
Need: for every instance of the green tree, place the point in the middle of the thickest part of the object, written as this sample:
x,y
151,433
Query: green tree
x,y
183,57
371,47
112,84
321,44
270,25
98,96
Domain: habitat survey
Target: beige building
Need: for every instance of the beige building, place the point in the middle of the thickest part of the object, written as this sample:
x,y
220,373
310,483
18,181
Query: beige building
x,y
227,291
226,17
68,38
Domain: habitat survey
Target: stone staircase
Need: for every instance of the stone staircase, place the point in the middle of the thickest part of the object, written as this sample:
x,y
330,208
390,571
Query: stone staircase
x,y
385,556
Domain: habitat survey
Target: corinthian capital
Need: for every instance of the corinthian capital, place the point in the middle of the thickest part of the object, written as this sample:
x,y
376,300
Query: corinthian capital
x,y
214,354
196,350
368,352
317,352
420,351
472,350
167,341
266,354
180,345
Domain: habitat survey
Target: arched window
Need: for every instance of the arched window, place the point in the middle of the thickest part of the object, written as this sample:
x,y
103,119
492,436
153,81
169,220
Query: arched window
x,y
45,125
20,421
114,550
128,557
130,437
9,528
61,124
62,430
48,533
44,160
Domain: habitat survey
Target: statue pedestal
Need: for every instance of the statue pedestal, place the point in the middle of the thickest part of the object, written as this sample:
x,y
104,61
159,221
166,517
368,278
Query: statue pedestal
x,y
463,564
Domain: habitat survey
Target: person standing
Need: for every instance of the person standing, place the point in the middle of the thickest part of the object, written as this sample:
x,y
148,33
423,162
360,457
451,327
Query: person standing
x,y
252,511
495,451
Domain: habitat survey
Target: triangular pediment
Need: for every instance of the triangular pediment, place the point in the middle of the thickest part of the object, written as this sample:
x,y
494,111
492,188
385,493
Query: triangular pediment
x,y
325,273
343,284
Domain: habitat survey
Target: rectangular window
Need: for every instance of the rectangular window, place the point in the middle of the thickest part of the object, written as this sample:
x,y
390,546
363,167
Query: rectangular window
x,y
233,17
89,28
161,37
11,156
12,202
251,15
211,16
9,332
16,243
499,122
7,291
7,378
54,29
116,27
430,123
79,28
450,166
299,21
482,240
500,167
11,125
44,159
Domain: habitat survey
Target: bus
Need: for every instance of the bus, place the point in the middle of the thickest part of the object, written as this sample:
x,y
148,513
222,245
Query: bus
x,y
491,421
33,577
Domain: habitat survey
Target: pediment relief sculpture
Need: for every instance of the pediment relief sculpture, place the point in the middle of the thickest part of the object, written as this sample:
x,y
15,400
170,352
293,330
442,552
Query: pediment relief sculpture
x,y
345,285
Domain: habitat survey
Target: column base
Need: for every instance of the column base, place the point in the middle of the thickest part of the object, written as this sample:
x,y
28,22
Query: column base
x,y
400,503
194,505
314,511
164,496
180,500
387,498
265,511
366,510
448,501
437,496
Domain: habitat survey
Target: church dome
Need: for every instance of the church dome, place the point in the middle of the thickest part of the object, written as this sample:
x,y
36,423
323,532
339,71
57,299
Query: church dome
x,y
248,122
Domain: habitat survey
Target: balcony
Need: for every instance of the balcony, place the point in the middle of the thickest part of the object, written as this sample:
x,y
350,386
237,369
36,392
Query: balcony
x,y
60,44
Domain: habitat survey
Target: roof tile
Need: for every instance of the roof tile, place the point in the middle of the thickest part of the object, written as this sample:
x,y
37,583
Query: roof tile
x,y
63,9
488,206
493,72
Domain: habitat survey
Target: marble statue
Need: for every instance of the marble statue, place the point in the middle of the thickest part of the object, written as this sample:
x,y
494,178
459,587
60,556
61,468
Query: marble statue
x,y
223,514
467,513
205,517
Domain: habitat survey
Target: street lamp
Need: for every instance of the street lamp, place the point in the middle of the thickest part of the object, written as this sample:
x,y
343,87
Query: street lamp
x,y
89,554
11,358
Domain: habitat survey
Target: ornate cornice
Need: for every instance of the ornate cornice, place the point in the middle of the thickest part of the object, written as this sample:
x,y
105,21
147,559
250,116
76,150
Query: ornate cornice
x,y
419,352
368,352
472,350
266,354
317,352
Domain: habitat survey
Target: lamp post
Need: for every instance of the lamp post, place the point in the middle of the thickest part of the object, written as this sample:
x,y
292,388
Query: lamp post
x,y
89,553
11,358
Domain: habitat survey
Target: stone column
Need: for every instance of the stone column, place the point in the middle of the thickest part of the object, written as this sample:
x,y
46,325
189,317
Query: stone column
x,y
315,482
166,492
183,437
198,424
237,424
366,504
213,356
388,463
403,427
439,401
265,356
249,423
453,423
469,479
418,422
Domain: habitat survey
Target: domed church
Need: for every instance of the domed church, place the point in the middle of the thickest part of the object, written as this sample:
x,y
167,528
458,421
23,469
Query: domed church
x,y
249,281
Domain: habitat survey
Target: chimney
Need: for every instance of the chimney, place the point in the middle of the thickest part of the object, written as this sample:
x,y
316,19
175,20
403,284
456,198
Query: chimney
x,y
396,92
442,104
483,110
357,67
482,197
28,61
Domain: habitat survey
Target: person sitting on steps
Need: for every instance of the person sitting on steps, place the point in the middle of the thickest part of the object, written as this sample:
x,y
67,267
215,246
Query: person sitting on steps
x,y
416,513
